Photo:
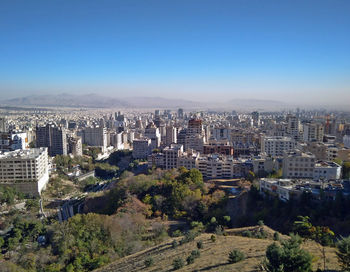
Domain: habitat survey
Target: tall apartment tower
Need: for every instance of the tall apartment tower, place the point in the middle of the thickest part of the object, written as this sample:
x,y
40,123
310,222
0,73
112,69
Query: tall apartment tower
x,y
171,135
52,137
293,126
180,113
75,146
256,119
313,132
3,125
95,136
195,135
152,132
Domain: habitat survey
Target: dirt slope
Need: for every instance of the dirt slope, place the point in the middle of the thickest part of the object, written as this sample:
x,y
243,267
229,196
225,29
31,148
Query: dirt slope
x,y
213,255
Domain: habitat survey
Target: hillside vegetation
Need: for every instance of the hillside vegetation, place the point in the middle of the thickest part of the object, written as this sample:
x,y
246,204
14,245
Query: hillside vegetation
x,y
214,255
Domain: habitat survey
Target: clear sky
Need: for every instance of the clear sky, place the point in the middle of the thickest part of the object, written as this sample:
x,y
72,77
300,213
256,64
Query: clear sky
x,y
290,50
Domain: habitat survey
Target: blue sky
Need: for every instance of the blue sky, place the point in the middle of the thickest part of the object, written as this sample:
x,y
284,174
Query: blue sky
x,y
297,50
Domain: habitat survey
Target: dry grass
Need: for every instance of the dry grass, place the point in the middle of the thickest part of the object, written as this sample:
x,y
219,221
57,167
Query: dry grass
x,y
214,255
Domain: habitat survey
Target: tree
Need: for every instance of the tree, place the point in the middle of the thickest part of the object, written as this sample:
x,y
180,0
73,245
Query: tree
x,y
288,258
149,261
190,259
178,263
235,256
276,236
322,235
343,253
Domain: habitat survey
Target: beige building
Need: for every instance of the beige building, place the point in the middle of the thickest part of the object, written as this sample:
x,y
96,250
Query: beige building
x,y
172,154
25,170
297,164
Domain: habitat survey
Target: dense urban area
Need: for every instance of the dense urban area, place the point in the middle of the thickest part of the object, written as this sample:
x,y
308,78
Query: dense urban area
x,y
81,189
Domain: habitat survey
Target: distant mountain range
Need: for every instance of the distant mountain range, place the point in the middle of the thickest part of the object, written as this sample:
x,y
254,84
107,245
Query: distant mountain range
x,y
66,100
98,101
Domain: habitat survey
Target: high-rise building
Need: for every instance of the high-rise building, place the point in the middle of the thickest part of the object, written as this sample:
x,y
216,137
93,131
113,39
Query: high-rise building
x,y
52,137
75,146
195,135
293,127
180,113
256,119
171,135
152,133
172,154
141,148
313,132
95,136
3,125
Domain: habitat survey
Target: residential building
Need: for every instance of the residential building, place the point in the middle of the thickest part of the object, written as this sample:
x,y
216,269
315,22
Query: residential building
x,y
276,145
25,170
293,126
75,146
156,160
152,133
218,147
141,148
52,137
172,154
313,132
171,135
95,136
326,171
298,164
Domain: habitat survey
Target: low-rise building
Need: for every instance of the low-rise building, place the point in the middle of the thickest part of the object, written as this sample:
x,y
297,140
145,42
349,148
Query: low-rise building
x,y
298,164
327,171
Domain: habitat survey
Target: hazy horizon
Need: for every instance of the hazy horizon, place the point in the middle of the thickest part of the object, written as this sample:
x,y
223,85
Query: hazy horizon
x,y
295,52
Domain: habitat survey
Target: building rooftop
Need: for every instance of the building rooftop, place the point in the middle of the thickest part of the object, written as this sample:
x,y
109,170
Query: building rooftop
x,y
23,154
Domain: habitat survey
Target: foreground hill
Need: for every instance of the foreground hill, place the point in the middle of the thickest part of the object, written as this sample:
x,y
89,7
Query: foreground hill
x,y
214,255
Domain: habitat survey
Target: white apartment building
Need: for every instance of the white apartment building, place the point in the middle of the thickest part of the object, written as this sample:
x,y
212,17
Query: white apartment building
x,y
276,145
327,171
152,133
172,154
95,136
297,164
141,148
313,132
293,126
25,170
171,135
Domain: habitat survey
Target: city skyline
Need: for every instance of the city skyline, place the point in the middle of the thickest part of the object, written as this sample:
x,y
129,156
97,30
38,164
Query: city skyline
x,y
289,51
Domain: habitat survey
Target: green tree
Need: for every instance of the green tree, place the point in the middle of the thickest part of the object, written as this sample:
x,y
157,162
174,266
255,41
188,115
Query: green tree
x,y
343,253
288,258
178,263
149,261
235,256
200,244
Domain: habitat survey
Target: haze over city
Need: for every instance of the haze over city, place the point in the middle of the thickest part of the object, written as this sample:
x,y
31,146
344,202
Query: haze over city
x,y
295,52
174,135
